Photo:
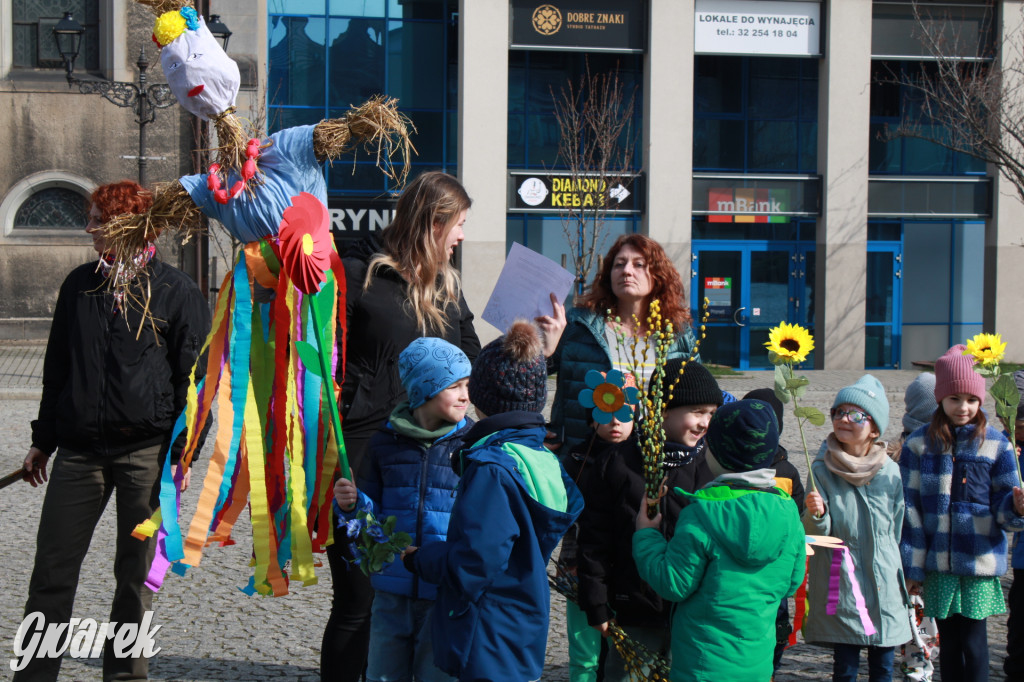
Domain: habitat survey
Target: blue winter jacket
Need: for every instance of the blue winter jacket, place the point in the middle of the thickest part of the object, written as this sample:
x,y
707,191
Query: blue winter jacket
x,y
584,347
415,484
490,620
958,504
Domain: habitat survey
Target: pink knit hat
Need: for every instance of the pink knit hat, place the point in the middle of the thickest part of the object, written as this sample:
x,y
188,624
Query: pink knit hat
x,y
954,373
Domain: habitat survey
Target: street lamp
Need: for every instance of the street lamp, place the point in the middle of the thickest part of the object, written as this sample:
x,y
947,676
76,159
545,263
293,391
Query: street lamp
x,y
143,100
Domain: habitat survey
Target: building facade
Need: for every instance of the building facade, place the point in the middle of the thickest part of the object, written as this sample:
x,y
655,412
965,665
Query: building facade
x,y
763,156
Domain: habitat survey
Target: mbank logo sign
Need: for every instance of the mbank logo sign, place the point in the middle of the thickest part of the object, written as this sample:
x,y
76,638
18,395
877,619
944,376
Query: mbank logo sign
x,y
82,638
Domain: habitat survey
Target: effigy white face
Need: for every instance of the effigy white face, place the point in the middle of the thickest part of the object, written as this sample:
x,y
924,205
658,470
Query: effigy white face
x,y
200,74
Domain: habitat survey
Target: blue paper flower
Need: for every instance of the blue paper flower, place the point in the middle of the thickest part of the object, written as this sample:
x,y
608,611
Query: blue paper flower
x,y
609,395
190,17
353,527
376,532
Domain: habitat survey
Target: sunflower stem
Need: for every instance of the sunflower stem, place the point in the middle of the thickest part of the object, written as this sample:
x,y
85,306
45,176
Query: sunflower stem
x,y
803,439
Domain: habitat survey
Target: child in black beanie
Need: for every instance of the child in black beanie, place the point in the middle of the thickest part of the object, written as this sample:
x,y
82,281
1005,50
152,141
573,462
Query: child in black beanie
x,y
609,584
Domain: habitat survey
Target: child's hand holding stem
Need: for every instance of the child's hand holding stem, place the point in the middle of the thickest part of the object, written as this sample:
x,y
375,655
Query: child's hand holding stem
x,y
346,494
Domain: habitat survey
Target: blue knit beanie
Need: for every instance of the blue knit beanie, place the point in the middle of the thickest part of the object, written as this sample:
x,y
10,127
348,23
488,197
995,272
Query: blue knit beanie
x,y
869,395
429,365
744,435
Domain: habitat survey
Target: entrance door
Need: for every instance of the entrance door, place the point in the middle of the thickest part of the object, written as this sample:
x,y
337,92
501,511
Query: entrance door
x,y
883,315
750,287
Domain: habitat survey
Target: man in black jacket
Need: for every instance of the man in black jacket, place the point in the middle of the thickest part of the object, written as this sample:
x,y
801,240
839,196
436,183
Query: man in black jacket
x,y
115,380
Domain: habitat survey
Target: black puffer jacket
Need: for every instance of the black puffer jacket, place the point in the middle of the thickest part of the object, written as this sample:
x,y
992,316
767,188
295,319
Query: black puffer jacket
x,y
107,388
380,325
609,584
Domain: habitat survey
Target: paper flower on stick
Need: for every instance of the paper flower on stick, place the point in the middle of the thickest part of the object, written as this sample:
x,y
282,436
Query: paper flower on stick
x,y
609,395
790,342
987,349
306,242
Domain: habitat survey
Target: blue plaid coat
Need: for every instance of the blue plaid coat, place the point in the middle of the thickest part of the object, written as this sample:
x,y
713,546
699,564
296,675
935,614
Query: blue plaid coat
x,y
957,504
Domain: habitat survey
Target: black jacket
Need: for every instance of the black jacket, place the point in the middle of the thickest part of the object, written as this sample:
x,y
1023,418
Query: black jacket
x,y
785,469
609,584
109,387
380,326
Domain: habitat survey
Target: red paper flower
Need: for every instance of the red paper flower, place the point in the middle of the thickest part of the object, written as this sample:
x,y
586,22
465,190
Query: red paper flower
x,y
306,245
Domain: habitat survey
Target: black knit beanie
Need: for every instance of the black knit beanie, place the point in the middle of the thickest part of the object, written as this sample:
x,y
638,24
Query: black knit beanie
x,y
744,435
510,373
696,385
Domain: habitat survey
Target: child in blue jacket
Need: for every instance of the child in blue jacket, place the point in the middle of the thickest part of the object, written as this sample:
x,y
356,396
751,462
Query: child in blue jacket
x,y
514,502
1013,664
408,474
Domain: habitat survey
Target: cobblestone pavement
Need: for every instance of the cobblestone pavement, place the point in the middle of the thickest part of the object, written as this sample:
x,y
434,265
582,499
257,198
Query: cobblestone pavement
x,y
211,631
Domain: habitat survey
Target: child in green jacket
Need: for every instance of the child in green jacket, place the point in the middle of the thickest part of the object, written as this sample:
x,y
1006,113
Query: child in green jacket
x,y
736,553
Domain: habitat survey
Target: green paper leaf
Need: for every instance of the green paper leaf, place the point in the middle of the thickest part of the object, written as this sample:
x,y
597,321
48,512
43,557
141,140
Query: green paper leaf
x,y
811,414
309,356
780,384
1004,390
401,540
797,382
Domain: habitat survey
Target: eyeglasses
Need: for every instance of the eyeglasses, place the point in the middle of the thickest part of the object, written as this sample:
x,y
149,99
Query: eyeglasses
x,y
854,416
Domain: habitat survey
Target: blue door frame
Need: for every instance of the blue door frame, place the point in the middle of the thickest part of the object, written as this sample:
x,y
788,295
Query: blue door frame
x,y
884,306
752,286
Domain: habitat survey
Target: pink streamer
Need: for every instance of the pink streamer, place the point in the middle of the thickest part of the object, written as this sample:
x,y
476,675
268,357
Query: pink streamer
x,y
841,558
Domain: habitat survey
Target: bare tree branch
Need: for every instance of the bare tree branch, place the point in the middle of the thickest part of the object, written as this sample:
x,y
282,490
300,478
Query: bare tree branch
x,y
596,142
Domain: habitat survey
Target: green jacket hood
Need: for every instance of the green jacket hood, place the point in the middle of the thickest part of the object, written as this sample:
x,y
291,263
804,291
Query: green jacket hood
x,y
743,521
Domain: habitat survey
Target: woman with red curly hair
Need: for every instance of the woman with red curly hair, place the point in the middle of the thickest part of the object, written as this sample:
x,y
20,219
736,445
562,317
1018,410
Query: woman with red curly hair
x,y
115,378
635,271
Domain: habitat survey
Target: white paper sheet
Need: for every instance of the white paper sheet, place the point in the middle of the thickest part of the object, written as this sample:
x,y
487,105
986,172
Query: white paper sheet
x,y
525,286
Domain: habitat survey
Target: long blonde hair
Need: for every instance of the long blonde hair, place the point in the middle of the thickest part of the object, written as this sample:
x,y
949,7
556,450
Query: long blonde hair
x,y
432,198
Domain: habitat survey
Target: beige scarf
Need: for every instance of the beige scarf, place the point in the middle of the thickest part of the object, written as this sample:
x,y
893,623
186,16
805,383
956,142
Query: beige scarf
x,y
856,471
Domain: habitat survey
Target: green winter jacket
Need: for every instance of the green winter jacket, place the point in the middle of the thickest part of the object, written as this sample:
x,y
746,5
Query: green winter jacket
x,y
737,552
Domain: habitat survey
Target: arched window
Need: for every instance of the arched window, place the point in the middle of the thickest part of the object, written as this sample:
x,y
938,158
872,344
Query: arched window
x,y
53,208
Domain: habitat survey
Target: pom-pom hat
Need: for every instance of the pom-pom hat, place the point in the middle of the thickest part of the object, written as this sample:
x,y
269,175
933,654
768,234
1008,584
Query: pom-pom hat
x,y
954,373
510,374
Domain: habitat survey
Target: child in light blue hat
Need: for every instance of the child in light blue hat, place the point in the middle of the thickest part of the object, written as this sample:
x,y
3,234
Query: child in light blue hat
x,y
859,499
408,474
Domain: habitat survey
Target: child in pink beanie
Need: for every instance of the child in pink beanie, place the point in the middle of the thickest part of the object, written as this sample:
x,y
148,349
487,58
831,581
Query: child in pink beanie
x,y
961,489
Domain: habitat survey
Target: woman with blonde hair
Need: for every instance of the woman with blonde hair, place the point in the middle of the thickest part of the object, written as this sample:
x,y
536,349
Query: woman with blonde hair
x,y
401,286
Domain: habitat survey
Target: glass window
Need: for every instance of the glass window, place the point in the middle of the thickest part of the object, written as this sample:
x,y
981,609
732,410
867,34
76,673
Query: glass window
x,y
536,78
328,55
922,153
32,33
54,208
755,114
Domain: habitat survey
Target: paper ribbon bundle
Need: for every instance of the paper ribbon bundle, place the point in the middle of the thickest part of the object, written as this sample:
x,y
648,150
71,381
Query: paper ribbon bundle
x,y
281,449
841,561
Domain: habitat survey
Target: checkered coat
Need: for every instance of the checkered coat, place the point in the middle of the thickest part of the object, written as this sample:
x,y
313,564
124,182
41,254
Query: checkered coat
x,y
958,503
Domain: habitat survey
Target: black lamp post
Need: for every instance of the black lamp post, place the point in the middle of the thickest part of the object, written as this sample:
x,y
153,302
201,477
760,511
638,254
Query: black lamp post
x,y
143,100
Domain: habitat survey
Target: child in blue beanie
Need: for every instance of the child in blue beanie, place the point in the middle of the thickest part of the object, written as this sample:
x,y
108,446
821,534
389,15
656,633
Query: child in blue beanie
x,y
408,474
859,499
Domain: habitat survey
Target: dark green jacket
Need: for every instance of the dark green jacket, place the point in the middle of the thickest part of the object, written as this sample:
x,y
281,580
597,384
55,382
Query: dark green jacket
x,y
584,347
736,553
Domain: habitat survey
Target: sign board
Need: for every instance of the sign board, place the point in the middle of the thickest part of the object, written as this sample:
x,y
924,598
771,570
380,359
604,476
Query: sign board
x,y
552,192
353,218
777,27
718,291
748,205
594,25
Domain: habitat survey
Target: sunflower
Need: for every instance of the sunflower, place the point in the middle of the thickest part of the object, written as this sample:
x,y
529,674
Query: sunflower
x,y
790,342
608,395
988,349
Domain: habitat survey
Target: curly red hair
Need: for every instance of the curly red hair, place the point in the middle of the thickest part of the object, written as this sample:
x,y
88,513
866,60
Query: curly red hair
x,y
666,284
117,198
